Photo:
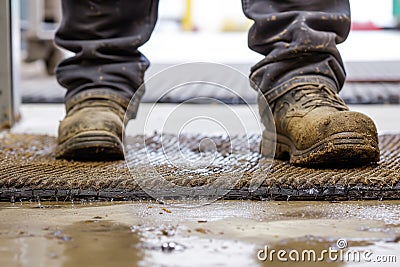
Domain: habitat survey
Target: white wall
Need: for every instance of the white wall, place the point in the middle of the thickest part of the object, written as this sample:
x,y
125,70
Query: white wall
x,y
209,15
377,11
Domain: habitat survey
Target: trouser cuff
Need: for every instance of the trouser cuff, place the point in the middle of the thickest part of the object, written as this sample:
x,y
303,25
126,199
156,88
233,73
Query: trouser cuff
x,y
130,105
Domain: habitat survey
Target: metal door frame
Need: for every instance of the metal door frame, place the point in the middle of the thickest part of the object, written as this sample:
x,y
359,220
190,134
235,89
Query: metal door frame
x,y
9,62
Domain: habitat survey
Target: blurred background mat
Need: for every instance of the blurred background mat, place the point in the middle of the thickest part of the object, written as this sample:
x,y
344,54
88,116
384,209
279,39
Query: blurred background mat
x,y
368,83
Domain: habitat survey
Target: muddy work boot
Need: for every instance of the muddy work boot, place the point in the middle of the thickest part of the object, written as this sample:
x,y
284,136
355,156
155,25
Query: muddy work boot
x,y
315,128
92,130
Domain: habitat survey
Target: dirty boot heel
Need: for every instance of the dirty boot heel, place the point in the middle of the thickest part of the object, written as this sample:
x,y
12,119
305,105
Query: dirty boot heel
x,y
270,148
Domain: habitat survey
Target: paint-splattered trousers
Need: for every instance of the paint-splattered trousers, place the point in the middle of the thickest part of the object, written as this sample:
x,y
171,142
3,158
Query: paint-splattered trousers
x,y
297,37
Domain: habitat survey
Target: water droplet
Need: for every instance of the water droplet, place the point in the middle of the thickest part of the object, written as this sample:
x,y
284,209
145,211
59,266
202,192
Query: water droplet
x,y
172,246
57,233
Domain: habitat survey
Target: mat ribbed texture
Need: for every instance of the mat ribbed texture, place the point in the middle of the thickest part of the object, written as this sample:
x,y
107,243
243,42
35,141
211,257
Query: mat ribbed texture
x,y
29,171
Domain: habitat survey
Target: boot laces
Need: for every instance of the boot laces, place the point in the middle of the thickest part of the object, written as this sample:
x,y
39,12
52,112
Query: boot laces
x,y
312,96
99,103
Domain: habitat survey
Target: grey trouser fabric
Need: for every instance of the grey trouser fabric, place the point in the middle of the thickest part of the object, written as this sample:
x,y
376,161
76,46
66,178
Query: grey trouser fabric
x,y
105,35
297,37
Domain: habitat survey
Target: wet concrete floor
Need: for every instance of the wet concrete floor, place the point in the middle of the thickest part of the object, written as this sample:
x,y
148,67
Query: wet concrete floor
x,y
225,233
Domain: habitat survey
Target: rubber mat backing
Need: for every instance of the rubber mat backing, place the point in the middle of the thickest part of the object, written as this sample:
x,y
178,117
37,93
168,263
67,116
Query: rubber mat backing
x,y
29,171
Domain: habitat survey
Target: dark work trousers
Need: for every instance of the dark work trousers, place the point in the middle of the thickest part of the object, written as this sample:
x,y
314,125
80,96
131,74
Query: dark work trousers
x,y
297,37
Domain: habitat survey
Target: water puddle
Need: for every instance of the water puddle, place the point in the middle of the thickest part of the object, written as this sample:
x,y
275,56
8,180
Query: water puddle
x,y
100,243
226,233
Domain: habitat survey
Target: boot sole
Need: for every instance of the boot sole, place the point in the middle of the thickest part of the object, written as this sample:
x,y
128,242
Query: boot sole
x,y
91,146
339,150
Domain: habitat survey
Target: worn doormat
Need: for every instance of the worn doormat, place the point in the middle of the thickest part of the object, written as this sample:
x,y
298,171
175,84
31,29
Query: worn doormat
x,y
29,171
